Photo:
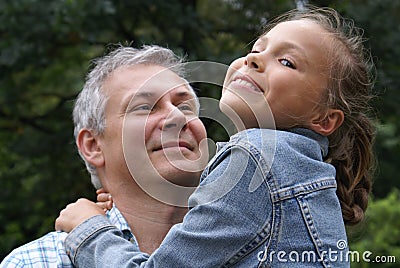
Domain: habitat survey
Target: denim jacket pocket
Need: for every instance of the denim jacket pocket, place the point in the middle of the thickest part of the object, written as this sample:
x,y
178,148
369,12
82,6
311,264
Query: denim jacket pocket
x,y
317,216
260,239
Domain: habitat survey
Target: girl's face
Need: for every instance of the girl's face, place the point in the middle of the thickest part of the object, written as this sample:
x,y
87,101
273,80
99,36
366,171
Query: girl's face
x,y
288,69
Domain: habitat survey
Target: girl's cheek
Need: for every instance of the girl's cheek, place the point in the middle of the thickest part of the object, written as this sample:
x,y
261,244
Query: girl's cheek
x,y
233,68
237,64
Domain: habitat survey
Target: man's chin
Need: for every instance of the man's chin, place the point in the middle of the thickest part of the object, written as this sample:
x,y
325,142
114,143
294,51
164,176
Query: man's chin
x,y
170,186
186,177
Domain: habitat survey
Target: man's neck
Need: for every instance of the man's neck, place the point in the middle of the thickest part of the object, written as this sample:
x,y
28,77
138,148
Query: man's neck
x,y
149,219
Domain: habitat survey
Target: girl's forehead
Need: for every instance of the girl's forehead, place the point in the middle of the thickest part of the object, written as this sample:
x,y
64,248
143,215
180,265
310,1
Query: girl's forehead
x,y
286,27
304,32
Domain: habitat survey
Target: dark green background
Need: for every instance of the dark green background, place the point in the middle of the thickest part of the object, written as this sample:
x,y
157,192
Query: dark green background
x,y
45,49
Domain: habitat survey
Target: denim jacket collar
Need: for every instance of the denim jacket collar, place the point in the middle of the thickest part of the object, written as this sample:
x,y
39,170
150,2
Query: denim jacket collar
x,y
321,140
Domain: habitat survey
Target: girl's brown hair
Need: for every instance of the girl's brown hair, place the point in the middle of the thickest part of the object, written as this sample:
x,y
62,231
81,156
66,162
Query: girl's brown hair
x,y
350,90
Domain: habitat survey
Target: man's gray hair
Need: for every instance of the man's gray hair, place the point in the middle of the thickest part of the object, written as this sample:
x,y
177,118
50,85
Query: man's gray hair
x,y
90,105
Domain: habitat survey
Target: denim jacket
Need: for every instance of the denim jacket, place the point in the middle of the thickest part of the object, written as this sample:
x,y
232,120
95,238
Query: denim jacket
x,y
266,199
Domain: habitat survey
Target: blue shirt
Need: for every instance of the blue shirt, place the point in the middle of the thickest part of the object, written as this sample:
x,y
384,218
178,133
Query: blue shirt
x,y
49,251
266,199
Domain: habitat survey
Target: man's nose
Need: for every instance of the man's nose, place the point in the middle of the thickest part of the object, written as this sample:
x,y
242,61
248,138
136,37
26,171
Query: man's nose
x,y
175,119
255,61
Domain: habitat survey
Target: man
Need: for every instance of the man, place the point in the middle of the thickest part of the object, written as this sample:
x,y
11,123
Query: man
x,y
138,131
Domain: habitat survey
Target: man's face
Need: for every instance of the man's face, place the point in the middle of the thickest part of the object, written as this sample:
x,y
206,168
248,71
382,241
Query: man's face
x,y
152,128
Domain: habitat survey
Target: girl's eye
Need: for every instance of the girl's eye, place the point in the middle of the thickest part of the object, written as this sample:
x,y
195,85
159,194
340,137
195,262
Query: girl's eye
x,y
287,63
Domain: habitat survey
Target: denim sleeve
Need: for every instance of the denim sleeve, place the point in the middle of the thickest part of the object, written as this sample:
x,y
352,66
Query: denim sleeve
x,y
97,241
212,234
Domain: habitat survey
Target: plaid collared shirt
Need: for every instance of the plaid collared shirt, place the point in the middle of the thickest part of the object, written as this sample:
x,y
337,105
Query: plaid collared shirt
x,y
49,250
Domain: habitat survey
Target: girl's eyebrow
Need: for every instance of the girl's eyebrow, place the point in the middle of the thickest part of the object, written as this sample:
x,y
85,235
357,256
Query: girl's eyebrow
x,y
293,46
284,45
287,46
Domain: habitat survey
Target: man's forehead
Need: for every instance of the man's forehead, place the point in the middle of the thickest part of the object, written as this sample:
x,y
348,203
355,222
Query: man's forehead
x,y
163,81
146,80
159,90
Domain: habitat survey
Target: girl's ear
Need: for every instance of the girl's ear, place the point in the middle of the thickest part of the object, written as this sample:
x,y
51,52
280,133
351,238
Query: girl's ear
x,y
90,148
327,125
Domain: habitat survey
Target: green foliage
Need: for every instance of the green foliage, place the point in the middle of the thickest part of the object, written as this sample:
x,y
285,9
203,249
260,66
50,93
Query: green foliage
x,y
380,20
45,51
380,233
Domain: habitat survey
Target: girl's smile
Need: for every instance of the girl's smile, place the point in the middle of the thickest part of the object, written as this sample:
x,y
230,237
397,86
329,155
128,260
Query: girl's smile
x,y
289,67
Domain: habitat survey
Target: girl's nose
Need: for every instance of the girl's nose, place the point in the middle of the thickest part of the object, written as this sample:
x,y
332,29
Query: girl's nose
x,y
254,61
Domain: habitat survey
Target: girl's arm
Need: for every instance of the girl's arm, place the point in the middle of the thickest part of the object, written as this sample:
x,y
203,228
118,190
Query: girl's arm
x,y
212,234
104,199
76,213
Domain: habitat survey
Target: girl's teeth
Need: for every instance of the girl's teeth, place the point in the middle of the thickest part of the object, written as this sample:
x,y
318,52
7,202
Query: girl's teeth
x,y
246,84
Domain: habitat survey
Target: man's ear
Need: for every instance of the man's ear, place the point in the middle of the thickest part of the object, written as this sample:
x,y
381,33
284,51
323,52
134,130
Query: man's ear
x,y
327,125
89,146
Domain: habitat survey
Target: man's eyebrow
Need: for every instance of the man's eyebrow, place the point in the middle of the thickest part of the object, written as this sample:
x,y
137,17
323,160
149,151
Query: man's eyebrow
x,y
143,94
147,94
184,93
127,102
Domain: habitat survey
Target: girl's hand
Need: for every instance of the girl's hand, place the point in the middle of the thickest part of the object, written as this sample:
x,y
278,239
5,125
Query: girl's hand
x,y
76,213
104,199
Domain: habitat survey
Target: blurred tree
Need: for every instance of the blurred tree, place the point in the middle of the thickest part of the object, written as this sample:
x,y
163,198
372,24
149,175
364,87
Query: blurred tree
x,y
380,19
45,50
379,234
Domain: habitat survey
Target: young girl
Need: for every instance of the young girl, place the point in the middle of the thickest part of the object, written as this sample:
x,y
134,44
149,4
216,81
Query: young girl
x,y
294,192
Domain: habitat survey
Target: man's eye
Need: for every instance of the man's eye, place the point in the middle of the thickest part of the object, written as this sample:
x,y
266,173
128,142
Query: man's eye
x,y
287,63
143,107
185,107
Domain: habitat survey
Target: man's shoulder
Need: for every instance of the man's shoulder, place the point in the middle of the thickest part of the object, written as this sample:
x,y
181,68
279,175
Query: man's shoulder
x,y
46,251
